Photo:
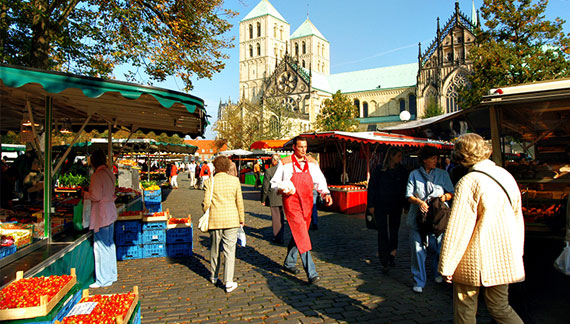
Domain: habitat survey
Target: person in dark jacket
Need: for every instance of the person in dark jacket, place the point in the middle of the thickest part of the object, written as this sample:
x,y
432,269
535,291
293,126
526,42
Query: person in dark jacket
x,y
386,200
274,200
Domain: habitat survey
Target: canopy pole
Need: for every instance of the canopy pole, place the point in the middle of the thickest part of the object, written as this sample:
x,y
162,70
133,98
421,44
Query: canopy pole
x,y
75,139
47,167
36,142
148,163
123,146
344,179
110,146
495,136
366,150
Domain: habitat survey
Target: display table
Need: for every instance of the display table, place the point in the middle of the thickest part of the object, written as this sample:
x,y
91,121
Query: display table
x,y
348,199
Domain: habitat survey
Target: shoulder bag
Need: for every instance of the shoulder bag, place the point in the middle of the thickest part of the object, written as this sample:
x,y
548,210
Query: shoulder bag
x,y
204,221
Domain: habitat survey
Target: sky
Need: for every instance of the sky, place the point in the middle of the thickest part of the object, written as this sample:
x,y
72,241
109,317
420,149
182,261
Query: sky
x,y
363,34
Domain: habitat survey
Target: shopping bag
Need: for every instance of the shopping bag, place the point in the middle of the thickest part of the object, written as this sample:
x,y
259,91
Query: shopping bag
x,y
562,263
86,212
78,217
203,222
241,240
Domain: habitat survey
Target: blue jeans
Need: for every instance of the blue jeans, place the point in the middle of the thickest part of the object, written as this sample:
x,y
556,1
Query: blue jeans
x,y
419,254
291,260
105,256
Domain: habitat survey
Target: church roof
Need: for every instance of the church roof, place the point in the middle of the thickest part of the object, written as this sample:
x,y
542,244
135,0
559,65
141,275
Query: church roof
x,y
307,29
395,76
264,8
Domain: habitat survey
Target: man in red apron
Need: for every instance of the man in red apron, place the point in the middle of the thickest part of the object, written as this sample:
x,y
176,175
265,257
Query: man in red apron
x,y
295,178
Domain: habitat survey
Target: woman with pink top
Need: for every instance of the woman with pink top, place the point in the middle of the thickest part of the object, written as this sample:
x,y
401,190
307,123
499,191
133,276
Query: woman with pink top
x,y
103,216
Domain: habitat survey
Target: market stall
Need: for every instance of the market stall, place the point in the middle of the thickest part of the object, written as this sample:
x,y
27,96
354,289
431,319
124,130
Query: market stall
x,y
347,160
36,103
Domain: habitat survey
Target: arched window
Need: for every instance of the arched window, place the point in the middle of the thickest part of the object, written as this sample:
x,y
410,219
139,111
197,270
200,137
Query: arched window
x,y
412,103
452,93
275,31
304,48
357,103
303,63
281,53
323,68
258,30
250,31
275,51
250,51
281,33
258,49
364,109
402,105
274,125
296,49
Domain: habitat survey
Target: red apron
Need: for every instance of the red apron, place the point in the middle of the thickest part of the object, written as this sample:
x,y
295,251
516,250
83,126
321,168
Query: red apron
x,y
299,206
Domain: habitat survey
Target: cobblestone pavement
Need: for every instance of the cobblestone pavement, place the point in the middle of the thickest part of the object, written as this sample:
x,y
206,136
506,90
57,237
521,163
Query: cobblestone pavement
x,y
352,290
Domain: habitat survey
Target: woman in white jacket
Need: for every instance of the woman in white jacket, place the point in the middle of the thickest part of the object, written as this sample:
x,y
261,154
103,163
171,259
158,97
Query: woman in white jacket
x,y
484,241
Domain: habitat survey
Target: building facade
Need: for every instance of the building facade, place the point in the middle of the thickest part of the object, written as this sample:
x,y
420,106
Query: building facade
x,y
294,69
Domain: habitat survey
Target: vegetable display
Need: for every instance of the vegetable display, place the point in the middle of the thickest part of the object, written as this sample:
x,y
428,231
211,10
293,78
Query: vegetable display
x,y
107,309
28,291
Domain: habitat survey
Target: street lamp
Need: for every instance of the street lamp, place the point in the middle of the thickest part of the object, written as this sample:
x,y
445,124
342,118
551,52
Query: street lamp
x,y
405,116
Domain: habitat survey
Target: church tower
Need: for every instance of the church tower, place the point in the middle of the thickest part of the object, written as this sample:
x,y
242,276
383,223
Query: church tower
x,y
311,48
263,38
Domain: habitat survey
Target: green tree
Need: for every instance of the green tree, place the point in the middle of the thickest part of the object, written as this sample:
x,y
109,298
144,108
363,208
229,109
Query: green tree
x,y
338,113
278,120
433,109
518,45
161,38
240,125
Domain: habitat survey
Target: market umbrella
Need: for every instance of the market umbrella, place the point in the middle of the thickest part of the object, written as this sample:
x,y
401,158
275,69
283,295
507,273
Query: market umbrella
x,y
239,153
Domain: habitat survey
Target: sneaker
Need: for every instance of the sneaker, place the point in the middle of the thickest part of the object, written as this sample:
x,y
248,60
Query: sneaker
x,y
438,279
314,280
231,286
291,270
96,285
418,289
215,281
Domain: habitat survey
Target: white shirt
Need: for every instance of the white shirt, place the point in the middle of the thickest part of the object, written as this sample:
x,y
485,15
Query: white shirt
x,y
284,172
192,167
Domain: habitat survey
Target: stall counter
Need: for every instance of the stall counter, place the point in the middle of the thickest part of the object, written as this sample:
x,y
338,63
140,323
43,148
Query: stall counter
x,y
348,199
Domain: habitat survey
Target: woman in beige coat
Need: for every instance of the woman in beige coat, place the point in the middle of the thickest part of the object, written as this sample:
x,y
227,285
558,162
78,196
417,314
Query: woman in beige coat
x,y
484,240
226,216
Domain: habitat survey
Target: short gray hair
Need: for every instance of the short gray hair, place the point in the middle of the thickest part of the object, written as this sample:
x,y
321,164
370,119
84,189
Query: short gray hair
x,y
276,157
470,149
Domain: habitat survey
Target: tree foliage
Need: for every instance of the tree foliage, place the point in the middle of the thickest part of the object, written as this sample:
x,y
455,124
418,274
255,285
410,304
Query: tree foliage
x,y
240,125
433,109
518,45
338,113
161,38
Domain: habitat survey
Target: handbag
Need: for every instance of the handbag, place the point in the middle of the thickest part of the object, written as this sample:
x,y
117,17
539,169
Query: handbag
x,y
562,263
241,240
203,222
370,219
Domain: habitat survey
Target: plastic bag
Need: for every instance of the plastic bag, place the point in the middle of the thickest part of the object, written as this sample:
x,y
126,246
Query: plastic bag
x,y
562,263
203,222
78,216
86,212
241,240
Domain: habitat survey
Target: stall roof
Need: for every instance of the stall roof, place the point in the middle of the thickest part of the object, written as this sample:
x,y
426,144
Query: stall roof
x,y
268,144
133,106
318,141
132,145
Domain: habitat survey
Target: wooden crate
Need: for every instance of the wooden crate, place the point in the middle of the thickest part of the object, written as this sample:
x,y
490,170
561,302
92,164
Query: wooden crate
x,y
149,218
138,216
184,225
119,320
45,305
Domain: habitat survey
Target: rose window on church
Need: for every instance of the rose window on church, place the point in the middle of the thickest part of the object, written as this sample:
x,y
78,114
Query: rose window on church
x,y
452,93
287,81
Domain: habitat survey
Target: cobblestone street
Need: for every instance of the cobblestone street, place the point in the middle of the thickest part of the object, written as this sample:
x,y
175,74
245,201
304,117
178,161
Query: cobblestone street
x,y
352,290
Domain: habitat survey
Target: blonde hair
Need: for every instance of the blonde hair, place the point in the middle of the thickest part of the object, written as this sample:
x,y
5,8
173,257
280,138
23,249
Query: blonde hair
x,y
470,149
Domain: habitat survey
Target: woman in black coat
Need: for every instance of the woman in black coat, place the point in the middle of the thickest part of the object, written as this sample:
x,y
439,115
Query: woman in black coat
x,y
386,200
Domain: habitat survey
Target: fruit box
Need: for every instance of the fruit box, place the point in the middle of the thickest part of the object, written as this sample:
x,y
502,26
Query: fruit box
x,y
119,319
130,215
45,305
157,217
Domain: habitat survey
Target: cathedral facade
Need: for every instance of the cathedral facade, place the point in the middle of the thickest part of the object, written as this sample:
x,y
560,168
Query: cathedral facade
x,y
294,69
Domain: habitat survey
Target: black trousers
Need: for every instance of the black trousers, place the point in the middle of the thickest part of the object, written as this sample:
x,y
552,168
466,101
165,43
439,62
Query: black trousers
x,y
388,222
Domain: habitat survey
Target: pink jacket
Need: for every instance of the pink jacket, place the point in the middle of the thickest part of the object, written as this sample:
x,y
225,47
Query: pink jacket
x,y
102,195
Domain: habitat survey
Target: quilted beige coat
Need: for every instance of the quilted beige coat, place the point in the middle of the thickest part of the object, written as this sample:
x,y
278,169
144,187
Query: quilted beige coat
x,y
484,241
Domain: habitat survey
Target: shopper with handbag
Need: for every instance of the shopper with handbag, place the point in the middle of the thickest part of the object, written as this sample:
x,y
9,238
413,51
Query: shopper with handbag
x,y
424,183
226,215
484,241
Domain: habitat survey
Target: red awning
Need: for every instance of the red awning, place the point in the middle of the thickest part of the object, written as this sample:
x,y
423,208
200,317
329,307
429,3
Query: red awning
x,y
268,144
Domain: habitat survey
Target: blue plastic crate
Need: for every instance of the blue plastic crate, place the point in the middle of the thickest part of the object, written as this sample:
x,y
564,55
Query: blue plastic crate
x,y
129,252
153,196
128,238
136,316
154,250
133,226
68,305
178,250
7,250
179,235
153,207
153,225
154,236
